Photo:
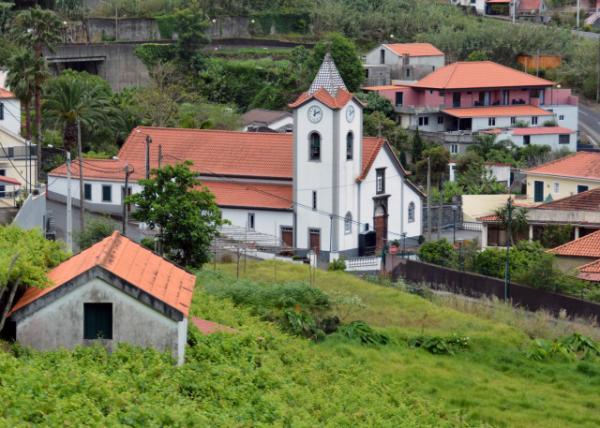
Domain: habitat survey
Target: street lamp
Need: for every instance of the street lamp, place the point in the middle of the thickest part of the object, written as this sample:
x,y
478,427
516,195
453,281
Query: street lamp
x,y
148,142
403,234
69,237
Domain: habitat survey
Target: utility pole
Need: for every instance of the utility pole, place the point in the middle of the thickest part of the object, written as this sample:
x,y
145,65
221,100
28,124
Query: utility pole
x,y
160,155
148,142
513,3
509,208
440,215
428,199
128,172
69,205
598,75
578,12
537,64
81,203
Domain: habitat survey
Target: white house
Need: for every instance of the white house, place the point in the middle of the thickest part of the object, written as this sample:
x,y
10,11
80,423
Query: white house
x,y
324,187
556,137
115,291
401,62
10,111
259,119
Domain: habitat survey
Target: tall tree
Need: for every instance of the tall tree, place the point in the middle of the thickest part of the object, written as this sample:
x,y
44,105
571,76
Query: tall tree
x,y
37,29
22,68
346,58
188,218
191,35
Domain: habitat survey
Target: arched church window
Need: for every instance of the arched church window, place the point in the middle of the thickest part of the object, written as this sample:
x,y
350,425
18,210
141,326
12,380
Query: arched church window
x,y
349,145
411,212
315,147
348,223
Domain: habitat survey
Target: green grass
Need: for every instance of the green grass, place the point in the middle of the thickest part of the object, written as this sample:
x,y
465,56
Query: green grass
x,y
264,377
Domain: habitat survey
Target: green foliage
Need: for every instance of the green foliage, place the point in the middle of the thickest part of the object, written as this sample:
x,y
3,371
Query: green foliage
x,y
555,235
208,116
191,25
375,102
152,54
439,157
344,54
363,333
282,21
417,147
478,55
438,252
440,345
188,219
572,347
337,264
96,229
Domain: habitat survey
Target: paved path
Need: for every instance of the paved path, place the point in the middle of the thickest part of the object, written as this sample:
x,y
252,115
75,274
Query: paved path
x,y
589,122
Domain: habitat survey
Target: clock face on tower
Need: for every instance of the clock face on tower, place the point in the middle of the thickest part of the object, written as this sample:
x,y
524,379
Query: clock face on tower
x,y
315,114
350,113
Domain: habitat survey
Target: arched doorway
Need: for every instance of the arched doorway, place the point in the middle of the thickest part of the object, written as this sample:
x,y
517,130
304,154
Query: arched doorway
x,y
380,220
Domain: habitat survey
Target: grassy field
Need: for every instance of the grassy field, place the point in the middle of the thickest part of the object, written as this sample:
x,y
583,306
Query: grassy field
x,y
264,377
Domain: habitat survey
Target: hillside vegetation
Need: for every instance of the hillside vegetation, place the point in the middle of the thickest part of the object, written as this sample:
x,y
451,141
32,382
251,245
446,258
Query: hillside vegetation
x,y
262,376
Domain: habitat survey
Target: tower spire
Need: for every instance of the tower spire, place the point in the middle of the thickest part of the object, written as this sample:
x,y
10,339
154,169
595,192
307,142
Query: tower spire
x,y
328,77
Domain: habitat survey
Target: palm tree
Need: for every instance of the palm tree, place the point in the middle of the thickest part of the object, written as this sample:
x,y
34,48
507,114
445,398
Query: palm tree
x,y
518,221
20,80
37,29
73,100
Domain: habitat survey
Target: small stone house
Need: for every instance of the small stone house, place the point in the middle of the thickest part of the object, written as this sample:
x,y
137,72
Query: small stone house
x,y
115,291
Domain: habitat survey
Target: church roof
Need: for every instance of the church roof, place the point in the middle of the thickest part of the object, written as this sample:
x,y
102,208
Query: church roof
x,y
328,77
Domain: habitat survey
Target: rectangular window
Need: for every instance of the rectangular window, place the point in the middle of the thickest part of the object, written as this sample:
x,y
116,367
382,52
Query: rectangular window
x,y
513,120
582,188
492,121
408,72
505,96
538,191
250,221
1,111
456,99
87,191
440,120
423,121
11,152
380,181
314,200
534,120
526,140
399,98
106,193
2,186
564,139
97,321
561,117
454,149
556,187
382,56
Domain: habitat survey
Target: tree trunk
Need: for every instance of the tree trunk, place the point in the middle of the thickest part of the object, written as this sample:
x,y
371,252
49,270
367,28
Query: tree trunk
x,y
27,108
38,128
11,296
81,196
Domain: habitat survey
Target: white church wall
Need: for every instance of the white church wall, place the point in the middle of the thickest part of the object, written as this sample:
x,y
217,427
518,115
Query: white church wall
x,y
265,221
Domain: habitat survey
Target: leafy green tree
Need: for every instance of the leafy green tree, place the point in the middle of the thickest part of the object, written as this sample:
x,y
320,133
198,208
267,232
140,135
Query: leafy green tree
x,y
345,56
188,219
555,235
376,103
478,55
24,258
96,230
22,68
519,225
37,29
440,157
417,147
191,25
208,116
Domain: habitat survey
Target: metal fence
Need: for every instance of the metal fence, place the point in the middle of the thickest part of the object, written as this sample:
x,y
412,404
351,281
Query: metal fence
x,y
475,285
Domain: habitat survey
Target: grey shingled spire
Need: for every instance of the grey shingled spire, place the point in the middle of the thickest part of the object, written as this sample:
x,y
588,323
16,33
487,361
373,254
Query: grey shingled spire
x,y
328,77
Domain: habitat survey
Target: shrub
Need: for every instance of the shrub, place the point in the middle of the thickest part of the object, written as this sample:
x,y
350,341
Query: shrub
x,y
338,264
363,333
96,229
574,346
439,345
438,252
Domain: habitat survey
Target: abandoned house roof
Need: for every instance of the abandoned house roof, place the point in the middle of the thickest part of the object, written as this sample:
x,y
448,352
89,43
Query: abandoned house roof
x,y
479,74
590,271
264,116
584,165
129,261
586,246
414,49
584,201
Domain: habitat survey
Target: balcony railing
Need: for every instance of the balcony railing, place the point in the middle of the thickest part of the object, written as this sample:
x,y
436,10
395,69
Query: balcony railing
x,y
19,152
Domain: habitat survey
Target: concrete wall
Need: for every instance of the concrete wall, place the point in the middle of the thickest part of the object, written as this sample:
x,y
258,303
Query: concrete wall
x,y
475,206
60,323
32,214
12,115
569,264
115,62
265,221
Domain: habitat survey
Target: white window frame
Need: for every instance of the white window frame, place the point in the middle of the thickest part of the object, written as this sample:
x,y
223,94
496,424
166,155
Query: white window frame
x,y
348,223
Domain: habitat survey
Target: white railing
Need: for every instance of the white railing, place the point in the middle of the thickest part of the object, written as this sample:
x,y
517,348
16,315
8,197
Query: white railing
x,y
369,263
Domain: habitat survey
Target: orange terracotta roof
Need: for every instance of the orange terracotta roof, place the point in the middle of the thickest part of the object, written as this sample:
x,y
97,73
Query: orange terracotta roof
x,y
371,148
210,327
6,94
497,111
586,246
9,180
384,87
479,74
542,130
257,195
414,49
129,261
497,1
529,4
104,169
590,271
584,165
322,95
584,201
490,218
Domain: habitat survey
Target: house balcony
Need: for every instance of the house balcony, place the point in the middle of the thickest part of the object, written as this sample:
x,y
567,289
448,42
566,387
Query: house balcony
x,y
449,137
19,152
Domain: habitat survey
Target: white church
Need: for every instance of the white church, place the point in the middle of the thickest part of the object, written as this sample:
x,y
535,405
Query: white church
x,y
324,187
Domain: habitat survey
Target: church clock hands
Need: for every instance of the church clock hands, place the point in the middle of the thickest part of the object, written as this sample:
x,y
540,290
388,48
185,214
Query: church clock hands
x,y
315,114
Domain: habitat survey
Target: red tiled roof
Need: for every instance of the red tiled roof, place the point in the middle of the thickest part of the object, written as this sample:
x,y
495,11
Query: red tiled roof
x,y
258,195
129,261
220,153
8,180
542,130
479,74
497,1
210,327
497,111
6,94
490,218
578,165
584,201
587,246
414,49
529,4
384,87
340,100
590,271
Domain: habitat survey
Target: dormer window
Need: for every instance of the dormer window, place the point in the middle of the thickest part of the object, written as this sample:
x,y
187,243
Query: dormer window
x,y
315,147
349,146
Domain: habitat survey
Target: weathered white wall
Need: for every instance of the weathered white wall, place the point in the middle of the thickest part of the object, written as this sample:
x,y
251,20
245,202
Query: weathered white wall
x,y
58,184
569,114
60,323
265,221
566,186
18,168
12,115
475,206
480,123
